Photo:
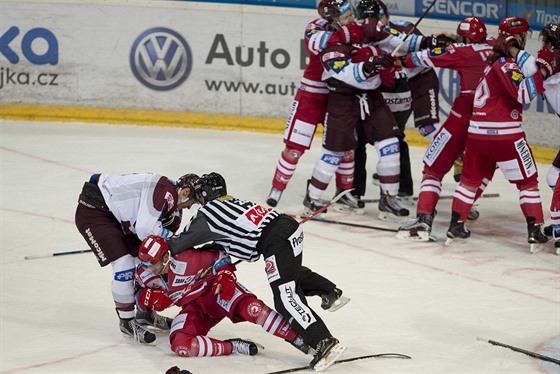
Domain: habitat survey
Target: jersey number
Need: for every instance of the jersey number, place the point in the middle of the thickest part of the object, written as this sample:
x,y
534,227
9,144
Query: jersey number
x,y
482,94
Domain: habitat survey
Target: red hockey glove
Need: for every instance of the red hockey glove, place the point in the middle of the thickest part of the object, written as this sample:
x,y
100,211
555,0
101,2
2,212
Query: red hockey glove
x,y
362,54
375,64
547,60
387,77
153,298
349,34
224,284
503,43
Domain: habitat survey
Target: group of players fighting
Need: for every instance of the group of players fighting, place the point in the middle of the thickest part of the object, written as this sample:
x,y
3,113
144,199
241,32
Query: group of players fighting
x,y
363,95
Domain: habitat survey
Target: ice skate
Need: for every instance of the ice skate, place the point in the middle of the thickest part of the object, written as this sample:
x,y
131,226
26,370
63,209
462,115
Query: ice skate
x,y
132,329
312,205
333,301
274,197
536,237
151,318
419,230
390,209
243,347
327,352
457,232
473,214
348,203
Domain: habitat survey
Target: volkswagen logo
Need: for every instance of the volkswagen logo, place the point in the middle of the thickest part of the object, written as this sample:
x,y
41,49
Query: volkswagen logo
x,y
161,59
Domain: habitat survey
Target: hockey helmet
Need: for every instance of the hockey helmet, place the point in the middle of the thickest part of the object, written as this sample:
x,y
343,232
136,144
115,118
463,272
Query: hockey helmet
x,y
332,9
551,34
152,250
210,187
472,28
514,25
188,181
370,9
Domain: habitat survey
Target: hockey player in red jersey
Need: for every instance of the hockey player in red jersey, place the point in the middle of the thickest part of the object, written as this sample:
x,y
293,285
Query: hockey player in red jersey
x,y
496,137
309,106
204,285
114,214
469,60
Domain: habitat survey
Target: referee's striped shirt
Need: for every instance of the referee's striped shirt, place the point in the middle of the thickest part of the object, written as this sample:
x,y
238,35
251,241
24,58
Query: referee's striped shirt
x,y
235,224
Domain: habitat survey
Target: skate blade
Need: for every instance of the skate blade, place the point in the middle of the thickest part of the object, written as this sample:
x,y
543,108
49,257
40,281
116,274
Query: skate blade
x,y
333,355
455,242
538,247
422,236
343,208
339,303
386,216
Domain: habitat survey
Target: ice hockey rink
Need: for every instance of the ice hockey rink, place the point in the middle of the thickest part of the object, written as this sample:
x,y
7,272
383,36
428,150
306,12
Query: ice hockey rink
x,y
425,300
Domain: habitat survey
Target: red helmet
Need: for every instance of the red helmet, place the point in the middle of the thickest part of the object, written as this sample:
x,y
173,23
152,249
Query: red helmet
x,y
472,28
152,250
332,9
514,25
551,34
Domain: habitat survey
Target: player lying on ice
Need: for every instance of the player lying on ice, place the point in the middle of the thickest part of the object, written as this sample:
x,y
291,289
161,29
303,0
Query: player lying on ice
x,y
204,285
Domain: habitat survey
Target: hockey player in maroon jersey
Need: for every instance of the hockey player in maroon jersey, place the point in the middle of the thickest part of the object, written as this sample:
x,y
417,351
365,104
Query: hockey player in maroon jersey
x,y
469,60
496,137
114,214
309,106
416,90
204,285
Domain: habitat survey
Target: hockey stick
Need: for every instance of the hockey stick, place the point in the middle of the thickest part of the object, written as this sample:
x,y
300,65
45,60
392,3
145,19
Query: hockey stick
x,y
324,220
444,197
322,209
57,254
379,355
413,28
520,350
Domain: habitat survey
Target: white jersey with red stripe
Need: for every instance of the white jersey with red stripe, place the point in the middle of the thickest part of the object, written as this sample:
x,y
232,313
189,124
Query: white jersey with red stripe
x,y
499,99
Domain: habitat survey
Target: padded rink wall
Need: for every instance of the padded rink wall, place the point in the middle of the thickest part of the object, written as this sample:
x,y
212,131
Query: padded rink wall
x,y
171,63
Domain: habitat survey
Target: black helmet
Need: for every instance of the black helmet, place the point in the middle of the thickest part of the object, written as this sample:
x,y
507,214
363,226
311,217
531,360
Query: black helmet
x,y
370,9
551,34
210,187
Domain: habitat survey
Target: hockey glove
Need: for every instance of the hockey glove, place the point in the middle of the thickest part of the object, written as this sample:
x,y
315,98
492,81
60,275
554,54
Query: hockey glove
x,y
387,76
547,61
437,41
375,64
349,34
153,298
503,43
362,54
224,284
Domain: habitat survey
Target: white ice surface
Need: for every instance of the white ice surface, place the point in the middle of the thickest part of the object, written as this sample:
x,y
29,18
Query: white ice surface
x,y
421,299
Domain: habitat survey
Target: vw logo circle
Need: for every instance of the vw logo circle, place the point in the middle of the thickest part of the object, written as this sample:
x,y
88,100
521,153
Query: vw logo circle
x,y
161,59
